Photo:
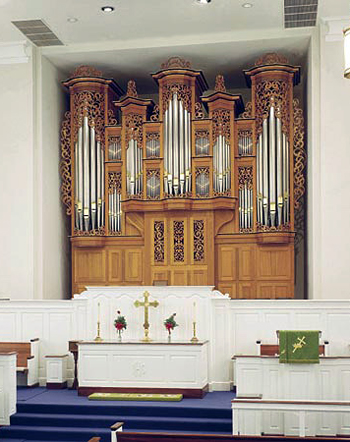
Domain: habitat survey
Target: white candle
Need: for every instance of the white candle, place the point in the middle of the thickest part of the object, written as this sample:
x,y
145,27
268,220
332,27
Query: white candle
x,y
98,312
194,312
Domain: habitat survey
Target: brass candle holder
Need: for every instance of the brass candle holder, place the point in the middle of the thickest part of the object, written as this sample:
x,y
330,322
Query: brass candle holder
x,y
194,339
98,337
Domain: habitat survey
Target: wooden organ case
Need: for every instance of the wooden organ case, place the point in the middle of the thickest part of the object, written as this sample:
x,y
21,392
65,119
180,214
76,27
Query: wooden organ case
x,y
195,190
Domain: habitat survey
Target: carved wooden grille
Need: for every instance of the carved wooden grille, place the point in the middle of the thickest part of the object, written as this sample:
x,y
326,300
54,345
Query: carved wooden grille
x,y
66,163
198,240
179,241
90,104
133,128
114,182
221,124
183,92
158,237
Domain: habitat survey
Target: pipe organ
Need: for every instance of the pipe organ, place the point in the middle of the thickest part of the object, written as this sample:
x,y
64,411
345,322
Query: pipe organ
x,y
197,189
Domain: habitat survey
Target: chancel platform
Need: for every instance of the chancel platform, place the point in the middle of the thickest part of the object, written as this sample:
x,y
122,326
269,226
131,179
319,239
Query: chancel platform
x,y
135,366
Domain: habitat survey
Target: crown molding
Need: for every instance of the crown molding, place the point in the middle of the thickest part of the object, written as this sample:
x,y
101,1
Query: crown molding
x,y
335,27
16,52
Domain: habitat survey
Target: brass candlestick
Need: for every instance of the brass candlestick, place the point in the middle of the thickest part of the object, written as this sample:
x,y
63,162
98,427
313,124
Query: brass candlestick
x,y
98,337
194,339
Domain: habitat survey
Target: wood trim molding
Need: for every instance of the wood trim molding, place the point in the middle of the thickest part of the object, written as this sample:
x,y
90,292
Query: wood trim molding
x,y
116,426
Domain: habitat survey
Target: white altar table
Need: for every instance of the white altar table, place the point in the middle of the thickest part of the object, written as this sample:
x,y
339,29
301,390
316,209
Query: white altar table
x,y
265,376
134,366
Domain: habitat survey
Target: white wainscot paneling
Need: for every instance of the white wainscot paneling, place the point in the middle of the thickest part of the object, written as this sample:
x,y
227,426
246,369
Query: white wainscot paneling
x,y
53,322
278,320
338,331
9,325
310,321
245,328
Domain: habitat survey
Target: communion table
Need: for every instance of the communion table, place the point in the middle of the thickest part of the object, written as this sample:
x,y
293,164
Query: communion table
x,y
151,367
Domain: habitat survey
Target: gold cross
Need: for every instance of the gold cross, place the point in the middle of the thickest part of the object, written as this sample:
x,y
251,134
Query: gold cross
x,y
300,344
146,304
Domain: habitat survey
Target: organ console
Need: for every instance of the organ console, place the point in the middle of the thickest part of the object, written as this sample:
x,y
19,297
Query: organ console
x,y
195,190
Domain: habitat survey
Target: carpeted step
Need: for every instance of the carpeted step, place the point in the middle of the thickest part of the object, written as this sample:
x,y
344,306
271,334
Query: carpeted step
x,y
54,433
135,422
125,409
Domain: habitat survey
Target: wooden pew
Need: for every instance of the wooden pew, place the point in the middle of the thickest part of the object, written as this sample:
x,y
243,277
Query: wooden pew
x,y
94,439
118,435
182,437
27,365
272,350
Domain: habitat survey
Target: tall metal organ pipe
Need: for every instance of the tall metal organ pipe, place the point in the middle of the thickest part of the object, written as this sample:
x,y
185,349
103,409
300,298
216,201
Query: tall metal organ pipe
x,y
272,172
133,168
222,161
177,148
89,179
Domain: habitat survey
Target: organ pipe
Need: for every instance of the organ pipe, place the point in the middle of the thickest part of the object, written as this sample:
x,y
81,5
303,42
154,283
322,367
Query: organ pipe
x,y
272,172
221,162
89,171
177,148
133,168
272,168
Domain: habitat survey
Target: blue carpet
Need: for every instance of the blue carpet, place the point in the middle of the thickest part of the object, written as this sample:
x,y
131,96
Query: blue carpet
x,y
62,415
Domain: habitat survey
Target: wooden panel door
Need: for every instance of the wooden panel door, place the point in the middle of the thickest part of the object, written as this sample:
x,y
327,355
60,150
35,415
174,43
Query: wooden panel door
x,y
133,265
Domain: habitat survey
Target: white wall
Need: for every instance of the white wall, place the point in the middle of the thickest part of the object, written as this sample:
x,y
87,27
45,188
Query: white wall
x,y
329,159
54,256
34,255
16,172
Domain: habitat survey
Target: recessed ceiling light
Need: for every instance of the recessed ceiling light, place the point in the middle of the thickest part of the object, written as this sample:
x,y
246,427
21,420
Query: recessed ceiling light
x,y
107,8
72,20
203,2
247,5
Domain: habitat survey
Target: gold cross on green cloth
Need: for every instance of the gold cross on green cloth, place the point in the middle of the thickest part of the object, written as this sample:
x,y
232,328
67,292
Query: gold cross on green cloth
x,y
299,346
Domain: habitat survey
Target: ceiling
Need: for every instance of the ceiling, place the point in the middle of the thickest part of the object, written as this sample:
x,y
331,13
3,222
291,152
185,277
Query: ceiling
x,y
132,42
138,18
227,58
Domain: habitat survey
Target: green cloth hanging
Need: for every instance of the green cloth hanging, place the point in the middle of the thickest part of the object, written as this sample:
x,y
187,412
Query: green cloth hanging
x,y
299,346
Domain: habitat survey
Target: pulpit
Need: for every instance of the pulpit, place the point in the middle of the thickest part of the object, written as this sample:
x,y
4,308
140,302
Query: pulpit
x,y
143,367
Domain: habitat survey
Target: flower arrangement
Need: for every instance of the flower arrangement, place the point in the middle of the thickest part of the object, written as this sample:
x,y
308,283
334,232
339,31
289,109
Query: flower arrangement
x,y
170,323
120,323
